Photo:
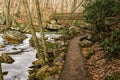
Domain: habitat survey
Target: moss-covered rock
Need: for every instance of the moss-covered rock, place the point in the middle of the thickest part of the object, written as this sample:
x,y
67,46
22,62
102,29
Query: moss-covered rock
x,y
50,78
37,63
42,72
13,36
4,58
2,45
20,27
85,43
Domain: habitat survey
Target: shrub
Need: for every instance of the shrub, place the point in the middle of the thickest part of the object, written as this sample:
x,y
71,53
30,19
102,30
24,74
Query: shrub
x,y
112,45
113,76
96,12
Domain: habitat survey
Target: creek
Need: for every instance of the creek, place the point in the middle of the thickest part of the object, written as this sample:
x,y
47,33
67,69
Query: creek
x,y
23,54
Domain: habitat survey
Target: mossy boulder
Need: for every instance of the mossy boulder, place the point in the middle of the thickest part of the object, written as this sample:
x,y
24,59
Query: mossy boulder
x,y
2,45
4,58
58,59
20,27
37,63
50,78
73,30
42,72
13,36
54,27
85,43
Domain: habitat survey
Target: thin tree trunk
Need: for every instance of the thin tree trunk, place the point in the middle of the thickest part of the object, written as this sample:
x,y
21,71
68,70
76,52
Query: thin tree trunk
x,y
62,6
16,10
74,5
4,4
47,3
1,75
77,6
8,12
41,28
39,52
31,5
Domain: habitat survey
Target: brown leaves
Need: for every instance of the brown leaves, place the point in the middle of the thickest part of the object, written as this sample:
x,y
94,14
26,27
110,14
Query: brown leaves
x,y
96,65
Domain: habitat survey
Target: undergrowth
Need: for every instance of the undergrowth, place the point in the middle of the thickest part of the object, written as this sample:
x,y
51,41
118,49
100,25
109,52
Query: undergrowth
x,y
112,45
113,76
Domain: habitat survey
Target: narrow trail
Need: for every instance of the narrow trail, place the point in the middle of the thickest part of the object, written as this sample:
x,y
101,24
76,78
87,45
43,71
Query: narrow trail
x,y
74,68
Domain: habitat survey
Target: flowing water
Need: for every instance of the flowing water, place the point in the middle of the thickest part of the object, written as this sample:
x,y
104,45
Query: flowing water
x,y
26,55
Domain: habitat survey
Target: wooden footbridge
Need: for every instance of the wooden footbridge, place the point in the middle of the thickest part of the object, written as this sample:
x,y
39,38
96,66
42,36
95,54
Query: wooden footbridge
x,y
67,16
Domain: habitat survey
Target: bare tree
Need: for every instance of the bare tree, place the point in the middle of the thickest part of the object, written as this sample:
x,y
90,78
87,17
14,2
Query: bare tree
x,y
40,55
47,3
77,6
41,28
16,11
73,5
6,10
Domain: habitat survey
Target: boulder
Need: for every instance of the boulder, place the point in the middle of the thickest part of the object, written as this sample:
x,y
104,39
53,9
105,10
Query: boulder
x,y
20,27
53,27
50,78
73,30
42,72
85,43
59,59
37,63
4,58
53,22
2,45
13,36
63,48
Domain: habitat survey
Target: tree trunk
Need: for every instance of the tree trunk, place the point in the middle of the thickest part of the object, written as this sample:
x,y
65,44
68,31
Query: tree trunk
x,y
6,6
73,5
1,75
47,3
15,12
77,6
39,52
41,28
62,6
31,3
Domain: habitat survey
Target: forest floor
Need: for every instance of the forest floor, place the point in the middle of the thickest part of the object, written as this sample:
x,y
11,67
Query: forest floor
x,y
96,65
74,68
